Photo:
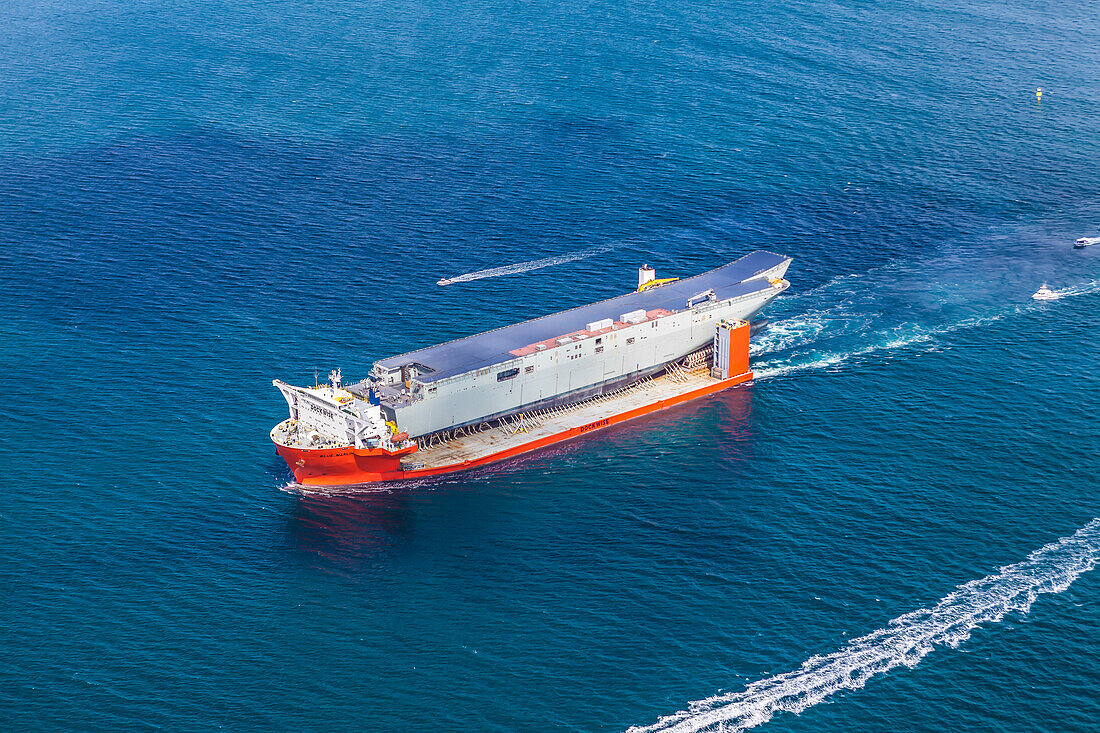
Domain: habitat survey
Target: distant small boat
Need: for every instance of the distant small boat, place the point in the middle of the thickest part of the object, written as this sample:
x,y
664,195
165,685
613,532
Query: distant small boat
x,y
1044,293
1085,242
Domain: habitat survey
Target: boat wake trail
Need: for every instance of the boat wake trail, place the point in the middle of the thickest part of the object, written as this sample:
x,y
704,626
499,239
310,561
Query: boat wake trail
x,y
854,325
905,335
524,266
904,641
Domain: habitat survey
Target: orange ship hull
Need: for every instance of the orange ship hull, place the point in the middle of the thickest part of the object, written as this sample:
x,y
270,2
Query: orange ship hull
x,y
342,466
348,466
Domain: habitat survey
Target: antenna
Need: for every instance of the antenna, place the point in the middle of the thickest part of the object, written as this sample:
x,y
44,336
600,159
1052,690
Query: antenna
x,y
315,382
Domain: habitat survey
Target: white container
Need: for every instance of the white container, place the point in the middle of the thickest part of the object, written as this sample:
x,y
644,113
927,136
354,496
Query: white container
x,y
637,316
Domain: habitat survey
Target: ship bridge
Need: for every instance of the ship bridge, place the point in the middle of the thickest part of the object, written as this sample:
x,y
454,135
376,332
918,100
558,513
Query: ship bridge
x,y
743,277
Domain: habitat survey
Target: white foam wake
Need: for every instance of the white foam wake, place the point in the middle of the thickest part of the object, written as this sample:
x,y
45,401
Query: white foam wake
x,y
899,337
904,641
814,327
523,266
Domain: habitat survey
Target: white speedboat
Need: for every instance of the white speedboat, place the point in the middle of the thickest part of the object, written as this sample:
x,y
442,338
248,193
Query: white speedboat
x,y
1085,242
1044,293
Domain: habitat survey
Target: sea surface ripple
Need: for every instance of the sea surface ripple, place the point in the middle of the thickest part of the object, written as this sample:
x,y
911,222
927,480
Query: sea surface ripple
x,y
197,197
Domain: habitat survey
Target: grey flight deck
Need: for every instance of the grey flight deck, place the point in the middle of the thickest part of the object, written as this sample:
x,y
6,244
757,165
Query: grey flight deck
x,y
492,347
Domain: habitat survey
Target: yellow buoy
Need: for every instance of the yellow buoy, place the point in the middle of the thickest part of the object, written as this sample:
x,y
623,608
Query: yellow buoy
x,y
1039,94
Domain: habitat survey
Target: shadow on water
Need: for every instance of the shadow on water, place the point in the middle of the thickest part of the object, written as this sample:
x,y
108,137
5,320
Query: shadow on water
x,y
352,525
347,528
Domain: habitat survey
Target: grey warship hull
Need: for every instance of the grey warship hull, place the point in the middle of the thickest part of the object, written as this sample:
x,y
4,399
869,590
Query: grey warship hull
x,y
568,356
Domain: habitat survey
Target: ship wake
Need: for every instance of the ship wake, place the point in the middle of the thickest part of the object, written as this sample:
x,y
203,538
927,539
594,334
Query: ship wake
x,y
903,642
905,335
853,327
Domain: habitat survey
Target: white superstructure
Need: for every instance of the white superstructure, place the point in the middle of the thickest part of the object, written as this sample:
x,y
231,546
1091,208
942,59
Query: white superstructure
x,y
329,416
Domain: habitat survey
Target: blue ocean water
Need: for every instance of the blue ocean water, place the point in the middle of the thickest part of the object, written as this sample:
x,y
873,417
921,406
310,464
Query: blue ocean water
x,y
889,530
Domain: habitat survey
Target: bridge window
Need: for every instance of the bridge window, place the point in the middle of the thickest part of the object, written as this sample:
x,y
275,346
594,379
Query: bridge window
x,y
507,374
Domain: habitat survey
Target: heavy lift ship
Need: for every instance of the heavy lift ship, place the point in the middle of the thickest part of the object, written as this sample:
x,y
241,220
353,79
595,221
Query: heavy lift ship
x,y
516,389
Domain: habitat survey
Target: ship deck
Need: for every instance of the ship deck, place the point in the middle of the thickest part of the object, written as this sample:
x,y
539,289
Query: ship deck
x,y
738,278
529,432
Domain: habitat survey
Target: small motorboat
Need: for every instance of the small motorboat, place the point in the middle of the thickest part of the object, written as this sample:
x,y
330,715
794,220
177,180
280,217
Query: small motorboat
x,y
1085,242
1044,293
